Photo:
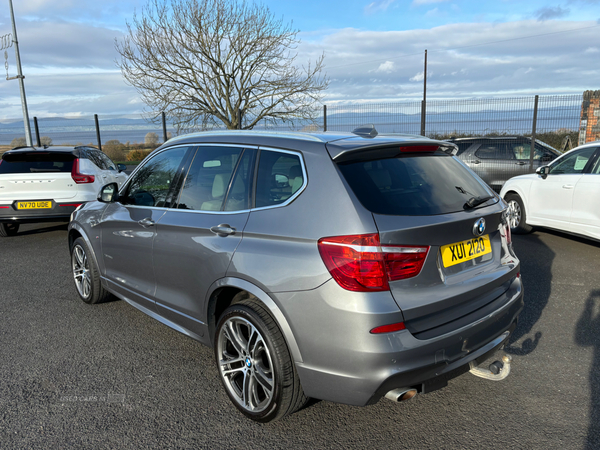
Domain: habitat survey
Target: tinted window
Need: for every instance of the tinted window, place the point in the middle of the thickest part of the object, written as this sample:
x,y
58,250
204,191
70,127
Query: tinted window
x,y
107,162
462,146
94,157
208,178
36,162
152,184
573,163
279,177
238,197
495,151
413,185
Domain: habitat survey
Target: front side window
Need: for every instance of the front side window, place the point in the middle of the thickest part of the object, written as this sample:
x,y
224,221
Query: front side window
x,y
152,183
279,177
573,163
209,177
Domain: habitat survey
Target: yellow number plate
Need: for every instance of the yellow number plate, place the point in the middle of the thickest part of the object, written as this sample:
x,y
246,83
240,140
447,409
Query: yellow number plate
x,y
34,205
466,250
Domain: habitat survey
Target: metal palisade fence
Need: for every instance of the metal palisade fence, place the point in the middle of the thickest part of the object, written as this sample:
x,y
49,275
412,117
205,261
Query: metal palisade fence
x,y
555,120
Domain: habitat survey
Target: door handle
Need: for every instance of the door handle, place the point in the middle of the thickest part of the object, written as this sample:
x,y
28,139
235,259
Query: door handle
x,y
223,230
520,163
475,162
568,186
147,222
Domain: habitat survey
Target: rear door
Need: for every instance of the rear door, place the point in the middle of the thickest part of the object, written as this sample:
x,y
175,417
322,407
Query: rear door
x,y
196,239
418,203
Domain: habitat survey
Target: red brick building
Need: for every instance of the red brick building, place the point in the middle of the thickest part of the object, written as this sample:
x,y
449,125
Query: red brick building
x,y
589,128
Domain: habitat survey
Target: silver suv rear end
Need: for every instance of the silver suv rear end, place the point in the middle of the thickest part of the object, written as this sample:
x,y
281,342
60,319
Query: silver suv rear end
x,y
333,266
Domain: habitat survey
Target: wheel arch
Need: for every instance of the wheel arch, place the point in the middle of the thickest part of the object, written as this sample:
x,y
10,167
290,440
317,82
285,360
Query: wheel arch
x,y
75,232
517,192
220,297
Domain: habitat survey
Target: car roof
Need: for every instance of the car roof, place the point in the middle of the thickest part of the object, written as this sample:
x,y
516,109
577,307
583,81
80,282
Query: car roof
x,y
337,142
76,151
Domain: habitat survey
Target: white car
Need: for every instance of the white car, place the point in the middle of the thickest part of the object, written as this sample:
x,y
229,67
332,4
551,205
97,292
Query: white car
x,y
564,195
47,184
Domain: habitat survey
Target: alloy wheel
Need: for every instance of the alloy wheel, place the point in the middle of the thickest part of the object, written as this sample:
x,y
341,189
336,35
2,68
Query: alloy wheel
x,y
246,365
514,214
81,271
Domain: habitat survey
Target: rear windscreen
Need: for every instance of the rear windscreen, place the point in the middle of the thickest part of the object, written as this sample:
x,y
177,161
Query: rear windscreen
x,y
413,185
36,162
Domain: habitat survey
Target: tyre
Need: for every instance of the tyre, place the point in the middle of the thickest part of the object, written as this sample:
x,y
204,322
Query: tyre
x,y
255,364
86,274
516,215
8,229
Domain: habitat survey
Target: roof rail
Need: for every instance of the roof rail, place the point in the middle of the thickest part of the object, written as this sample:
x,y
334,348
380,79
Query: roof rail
x,y
368,131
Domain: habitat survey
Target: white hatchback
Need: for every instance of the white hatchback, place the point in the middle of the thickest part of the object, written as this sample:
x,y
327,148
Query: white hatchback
x,y
564,195
48,184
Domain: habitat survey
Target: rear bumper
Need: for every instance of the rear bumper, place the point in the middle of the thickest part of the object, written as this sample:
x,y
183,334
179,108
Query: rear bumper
x,y
60,211
355,367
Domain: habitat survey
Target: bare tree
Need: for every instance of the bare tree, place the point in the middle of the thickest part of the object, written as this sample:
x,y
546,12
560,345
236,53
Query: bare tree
x,y
208,62
151,139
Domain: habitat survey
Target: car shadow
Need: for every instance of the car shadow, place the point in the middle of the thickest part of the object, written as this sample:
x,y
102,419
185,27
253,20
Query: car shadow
x,y
25,230
587,334
536,270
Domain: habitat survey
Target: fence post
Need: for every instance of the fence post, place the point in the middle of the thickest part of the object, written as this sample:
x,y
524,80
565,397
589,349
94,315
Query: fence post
x,y
324,117
423,112
533,130
98,132
37,132
164,124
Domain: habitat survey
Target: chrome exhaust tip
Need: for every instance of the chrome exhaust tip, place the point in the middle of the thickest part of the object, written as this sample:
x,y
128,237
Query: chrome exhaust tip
x,y
401,394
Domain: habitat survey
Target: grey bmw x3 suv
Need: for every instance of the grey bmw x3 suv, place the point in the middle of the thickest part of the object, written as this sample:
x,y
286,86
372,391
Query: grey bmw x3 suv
x,y
338,266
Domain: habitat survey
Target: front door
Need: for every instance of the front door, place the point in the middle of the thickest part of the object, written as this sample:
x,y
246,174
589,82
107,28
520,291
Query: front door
x,y
128,227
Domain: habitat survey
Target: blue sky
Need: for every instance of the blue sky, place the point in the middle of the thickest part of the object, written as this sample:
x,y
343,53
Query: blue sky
x,y
373,50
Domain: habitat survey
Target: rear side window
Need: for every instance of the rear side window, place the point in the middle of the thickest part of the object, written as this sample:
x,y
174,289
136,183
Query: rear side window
x,y
36,162
279,177
415,185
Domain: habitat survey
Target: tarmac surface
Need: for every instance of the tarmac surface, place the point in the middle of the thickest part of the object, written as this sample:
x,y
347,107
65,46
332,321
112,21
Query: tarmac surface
x,y
107,376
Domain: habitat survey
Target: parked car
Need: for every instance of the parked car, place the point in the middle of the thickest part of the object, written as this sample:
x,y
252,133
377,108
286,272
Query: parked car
x,y
337,266
496,159
564,195
42,184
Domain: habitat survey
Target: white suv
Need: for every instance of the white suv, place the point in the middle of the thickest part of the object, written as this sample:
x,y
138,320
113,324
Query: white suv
x,y
47,184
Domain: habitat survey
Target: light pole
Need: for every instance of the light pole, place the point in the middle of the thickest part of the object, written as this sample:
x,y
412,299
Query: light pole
x,y
20,77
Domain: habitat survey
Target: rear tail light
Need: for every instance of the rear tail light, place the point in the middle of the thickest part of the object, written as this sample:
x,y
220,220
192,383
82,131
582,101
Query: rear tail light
x,y
360,263
80,178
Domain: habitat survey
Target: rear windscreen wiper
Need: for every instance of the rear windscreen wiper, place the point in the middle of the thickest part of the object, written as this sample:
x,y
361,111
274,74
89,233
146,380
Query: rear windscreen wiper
x,y
476,201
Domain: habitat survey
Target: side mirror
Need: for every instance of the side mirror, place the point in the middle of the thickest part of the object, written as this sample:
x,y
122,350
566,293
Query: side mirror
x,y
121,167
543,171
109,193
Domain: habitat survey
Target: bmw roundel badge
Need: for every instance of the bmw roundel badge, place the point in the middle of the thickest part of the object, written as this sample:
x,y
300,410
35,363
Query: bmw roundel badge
x,y
479,227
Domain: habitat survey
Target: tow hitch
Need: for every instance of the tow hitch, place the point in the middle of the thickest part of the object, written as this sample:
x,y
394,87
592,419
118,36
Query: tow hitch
x,y
498,370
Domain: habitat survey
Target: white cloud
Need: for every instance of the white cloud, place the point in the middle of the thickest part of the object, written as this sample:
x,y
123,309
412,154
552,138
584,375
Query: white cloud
x,y
418,77
377,6
592,50
386,67
426,2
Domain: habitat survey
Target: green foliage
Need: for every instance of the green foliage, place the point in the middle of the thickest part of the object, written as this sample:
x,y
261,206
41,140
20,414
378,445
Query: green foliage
x,y
137,155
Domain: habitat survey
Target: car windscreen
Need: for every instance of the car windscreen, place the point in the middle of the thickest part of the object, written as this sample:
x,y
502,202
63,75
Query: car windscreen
x,y
415,185
36,162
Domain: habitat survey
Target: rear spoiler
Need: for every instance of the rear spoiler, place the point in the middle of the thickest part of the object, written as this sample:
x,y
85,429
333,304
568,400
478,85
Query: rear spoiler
x,y
387,147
